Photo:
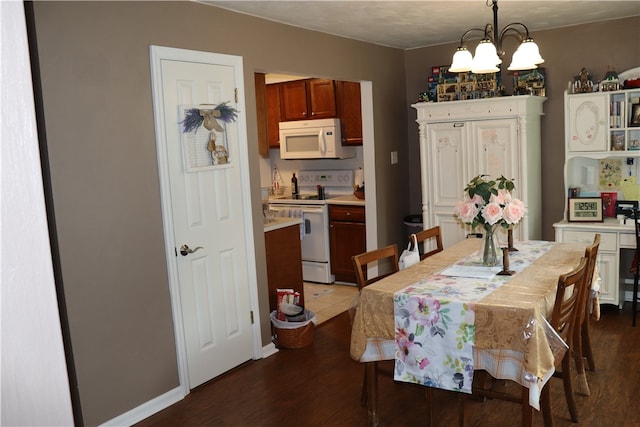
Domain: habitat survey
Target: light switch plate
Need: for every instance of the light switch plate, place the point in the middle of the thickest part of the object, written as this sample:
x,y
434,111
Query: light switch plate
x,y
394,157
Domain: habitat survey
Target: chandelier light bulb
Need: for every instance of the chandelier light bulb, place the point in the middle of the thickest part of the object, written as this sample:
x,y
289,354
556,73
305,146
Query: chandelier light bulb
x,y
486,59
462,61
530,51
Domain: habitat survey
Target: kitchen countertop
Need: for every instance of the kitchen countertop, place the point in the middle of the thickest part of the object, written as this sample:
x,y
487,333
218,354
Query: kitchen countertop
x,y
280,222
349,199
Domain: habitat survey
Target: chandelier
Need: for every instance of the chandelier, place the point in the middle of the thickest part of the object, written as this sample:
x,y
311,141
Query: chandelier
x,y
489,51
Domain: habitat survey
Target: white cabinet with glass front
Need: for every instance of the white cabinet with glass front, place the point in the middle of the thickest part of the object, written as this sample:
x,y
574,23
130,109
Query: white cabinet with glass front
x,y
462,139
602,159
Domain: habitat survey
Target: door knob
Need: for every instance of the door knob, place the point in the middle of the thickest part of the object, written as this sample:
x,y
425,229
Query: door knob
x,y
186,250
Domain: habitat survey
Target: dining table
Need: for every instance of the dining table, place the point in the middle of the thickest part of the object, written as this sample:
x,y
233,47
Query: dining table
x,y
448,316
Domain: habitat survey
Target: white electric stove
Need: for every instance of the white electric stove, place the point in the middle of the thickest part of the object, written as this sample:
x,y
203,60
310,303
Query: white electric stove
x,y
313,209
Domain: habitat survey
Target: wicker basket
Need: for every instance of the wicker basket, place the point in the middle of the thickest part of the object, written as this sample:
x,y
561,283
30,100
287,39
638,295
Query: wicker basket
x,y
294,338
293,334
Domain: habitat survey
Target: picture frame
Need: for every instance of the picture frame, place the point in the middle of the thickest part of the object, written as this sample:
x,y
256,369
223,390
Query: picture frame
x,y
585,209
635,115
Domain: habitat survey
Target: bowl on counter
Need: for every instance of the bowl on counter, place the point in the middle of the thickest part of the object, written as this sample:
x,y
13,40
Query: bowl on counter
x,y
359,194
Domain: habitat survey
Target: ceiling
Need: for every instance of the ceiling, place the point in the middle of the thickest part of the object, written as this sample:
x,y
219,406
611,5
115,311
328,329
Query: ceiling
x,y
419,23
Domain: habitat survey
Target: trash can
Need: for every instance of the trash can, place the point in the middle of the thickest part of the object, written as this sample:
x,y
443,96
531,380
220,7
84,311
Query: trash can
x,y
294,334
412,223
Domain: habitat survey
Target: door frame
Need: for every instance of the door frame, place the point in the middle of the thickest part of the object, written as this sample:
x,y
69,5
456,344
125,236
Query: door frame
x,y
157,54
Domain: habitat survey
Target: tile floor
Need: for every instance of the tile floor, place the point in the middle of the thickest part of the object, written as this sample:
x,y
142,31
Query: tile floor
x,y
327,301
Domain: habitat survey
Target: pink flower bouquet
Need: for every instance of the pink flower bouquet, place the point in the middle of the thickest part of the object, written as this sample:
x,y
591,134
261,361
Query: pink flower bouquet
x,y
490,203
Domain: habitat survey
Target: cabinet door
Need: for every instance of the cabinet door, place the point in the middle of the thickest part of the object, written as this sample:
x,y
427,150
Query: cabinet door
x,y
322,99
496,149
261,110
284,262
446,169
586,121
273,115
350,112
609,283
346,239
293,97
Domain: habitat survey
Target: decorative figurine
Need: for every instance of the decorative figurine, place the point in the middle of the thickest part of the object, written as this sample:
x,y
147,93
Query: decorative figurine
x,y
582,82
610,81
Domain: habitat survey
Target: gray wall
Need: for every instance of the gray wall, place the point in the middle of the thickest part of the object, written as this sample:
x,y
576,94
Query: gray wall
x,y
595,46
94,60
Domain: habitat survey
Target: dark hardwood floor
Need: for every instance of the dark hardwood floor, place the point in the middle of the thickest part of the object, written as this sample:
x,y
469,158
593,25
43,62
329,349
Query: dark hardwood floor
x,y
320,386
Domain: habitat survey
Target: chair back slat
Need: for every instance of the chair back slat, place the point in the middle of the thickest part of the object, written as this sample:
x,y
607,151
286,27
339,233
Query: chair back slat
x,y
386,258
425,236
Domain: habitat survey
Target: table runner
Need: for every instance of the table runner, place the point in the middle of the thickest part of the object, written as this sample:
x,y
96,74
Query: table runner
x,y
435,319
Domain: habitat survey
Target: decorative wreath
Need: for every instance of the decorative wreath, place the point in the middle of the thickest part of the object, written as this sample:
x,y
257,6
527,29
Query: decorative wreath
x,y
196,117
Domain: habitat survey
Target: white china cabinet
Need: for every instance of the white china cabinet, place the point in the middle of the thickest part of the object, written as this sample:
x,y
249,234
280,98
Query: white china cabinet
x,y
462,139
602,152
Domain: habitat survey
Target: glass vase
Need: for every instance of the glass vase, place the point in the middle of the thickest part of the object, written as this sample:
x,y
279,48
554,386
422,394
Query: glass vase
x,y
490,247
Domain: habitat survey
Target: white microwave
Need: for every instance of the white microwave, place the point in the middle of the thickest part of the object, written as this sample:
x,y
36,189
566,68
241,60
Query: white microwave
x,y
313,139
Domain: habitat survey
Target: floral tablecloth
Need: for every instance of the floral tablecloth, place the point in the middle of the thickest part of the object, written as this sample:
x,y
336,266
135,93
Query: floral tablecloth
x,y
435,319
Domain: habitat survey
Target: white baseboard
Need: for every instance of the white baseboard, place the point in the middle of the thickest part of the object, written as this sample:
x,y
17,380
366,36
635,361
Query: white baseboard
x,y
269,350
147,409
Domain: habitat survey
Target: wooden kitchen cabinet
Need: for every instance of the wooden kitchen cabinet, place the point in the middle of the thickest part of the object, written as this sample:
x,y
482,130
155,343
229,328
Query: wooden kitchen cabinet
x,y
273,115
347,237
261,109
350,112
307,99
284,262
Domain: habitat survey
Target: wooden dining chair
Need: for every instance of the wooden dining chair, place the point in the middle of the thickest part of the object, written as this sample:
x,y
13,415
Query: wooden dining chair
x,y
387,262
568,298
564,319
425,238
582,333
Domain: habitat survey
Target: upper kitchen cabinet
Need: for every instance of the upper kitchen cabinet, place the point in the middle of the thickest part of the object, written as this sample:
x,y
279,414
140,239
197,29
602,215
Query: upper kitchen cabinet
x,y
261,109
273,115
307,99
349,111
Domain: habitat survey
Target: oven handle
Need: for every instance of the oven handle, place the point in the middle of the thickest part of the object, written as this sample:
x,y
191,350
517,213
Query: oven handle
x,y
306,221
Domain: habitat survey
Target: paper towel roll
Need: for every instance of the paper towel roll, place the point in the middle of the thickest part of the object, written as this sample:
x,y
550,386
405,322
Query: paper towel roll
x,y
358,177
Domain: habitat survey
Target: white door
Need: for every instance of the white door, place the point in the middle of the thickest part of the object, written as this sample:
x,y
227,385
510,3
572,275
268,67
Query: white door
x,y
206,210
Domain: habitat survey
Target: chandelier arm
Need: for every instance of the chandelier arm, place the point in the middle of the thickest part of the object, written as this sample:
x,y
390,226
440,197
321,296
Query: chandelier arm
x,y
466,33
512,27
508,31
